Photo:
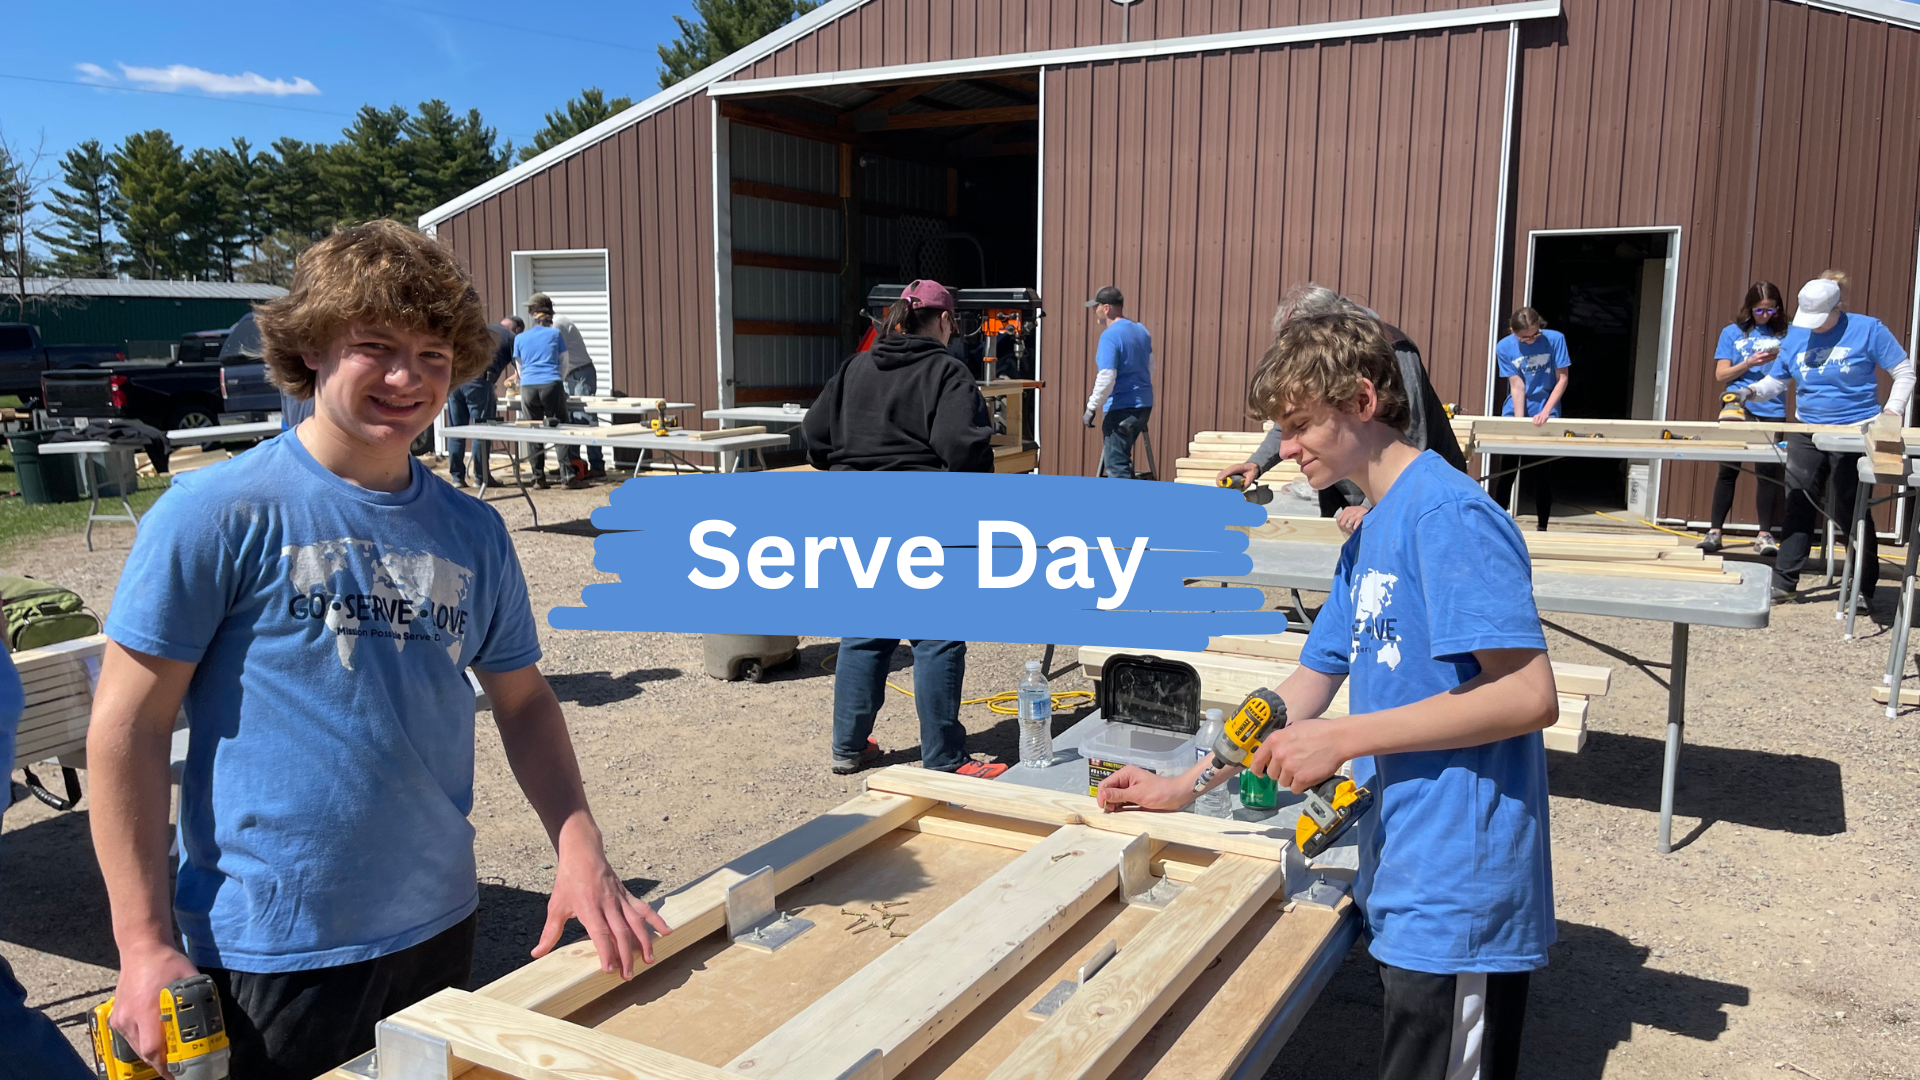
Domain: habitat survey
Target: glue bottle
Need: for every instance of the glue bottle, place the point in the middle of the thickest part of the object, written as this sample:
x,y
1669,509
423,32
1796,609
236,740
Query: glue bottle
x,y
1036,718
1217,803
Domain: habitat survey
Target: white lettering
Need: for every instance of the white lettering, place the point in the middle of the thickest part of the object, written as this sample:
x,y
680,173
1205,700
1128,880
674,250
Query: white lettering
x,y
1069,571
816,545
758,560
936,556
1029,554
1122,575
864,576
718,554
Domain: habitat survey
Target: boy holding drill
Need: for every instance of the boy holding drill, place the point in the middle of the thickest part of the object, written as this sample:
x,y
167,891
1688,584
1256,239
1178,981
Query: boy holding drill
x,y
316,603
1431,617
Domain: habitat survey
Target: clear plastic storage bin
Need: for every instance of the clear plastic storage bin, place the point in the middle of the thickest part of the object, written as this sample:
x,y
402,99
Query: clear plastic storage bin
x,y
1111,746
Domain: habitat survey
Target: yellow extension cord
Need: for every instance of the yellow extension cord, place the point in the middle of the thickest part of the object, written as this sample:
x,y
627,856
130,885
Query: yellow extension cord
x,y
1004,703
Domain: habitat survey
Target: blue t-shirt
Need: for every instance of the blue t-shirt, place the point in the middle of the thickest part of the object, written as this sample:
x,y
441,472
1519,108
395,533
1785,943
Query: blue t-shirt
x,y
1832,373
13,702
1127,349
1454,867
323,809
542,352
1737,345
1539,363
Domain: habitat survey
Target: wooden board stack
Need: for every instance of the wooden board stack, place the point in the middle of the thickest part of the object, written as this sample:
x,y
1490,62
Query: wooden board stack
x,y
944,908
1211,451
1233,667
1649,555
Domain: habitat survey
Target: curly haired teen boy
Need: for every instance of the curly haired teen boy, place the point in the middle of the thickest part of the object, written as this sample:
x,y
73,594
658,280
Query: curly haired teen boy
x,y
316,603
1431,616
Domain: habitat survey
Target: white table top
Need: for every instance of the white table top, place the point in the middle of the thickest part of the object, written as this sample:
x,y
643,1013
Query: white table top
x,y
757,414
259,429
1669,450
575,434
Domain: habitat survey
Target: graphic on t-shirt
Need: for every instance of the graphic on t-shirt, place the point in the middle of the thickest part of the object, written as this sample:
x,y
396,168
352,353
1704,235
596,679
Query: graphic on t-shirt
x,y
1746,347
1817,359
413,595
1373,595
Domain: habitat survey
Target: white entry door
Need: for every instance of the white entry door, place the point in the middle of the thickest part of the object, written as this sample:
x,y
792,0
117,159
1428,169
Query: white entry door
x,y
577,283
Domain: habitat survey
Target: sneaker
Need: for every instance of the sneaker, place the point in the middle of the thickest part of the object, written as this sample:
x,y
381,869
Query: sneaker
x,y
868,754
541,482
1764,545
1711,542
577,483
1782,596
1863,605
983,769
460,481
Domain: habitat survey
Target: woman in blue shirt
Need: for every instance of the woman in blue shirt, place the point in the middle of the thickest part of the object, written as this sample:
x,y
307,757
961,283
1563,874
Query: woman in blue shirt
x,y
1830,356
1747,346
1534,361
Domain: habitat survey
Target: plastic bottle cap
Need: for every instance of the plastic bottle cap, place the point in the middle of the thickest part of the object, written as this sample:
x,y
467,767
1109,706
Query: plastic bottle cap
x,y
1214,715
1033,665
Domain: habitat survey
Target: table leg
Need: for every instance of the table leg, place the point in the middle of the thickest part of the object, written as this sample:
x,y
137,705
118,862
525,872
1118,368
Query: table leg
x,y
1855,567
513,455
1676,722
1902,623
1826,546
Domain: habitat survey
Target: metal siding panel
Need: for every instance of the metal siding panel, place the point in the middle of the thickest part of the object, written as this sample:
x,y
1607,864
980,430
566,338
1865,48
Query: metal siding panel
x,y
1395,172
1160,222
893,31
1454,375
1824,85
1303,143
1129,152
1613,32
1567,135
696,245
1242,311
613,215
1073,358
963,30
1363,137
1330,161
1893,236
1102,208
593,211
1456,223
784,228
1427,161
1533,165
1780,166
1269,220
1212,315
1645,78
918,31
1183,262
655,317
771,157
1856,196
770,295
1051,360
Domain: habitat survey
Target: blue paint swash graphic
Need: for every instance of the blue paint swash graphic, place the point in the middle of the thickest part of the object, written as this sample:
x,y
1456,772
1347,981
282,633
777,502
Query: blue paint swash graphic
x,y
899,554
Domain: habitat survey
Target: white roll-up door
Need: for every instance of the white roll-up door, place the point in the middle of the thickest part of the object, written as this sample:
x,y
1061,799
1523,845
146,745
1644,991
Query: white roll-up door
x,y
578,286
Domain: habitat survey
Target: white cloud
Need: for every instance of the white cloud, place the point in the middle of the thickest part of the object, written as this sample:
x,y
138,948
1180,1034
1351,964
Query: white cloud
x,y
182,77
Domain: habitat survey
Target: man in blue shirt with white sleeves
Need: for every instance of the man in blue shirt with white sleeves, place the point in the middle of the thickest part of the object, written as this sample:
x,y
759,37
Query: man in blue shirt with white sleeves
x,y
1124,385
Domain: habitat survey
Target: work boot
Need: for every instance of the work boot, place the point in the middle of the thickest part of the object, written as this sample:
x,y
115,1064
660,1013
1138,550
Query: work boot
x,y
577,483
868,755
1782,596
540,481
597,473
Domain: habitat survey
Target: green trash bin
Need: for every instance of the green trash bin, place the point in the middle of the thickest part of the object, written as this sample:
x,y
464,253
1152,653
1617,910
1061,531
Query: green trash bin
x,y
42,479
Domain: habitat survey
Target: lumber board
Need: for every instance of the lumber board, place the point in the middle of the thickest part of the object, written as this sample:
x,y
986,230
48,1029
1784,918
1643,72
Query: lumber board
x,y
726,433
29,660
1636,570
902,1002
530,1046
1273,647
1909,695
1099,1025
1064,808
569,978
66,685
1177,862
1689,443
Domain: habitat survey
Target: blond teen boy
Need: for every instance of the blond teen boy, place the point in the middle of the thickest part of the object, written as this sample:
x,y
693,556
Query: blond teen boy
x,y
315,603
1431,616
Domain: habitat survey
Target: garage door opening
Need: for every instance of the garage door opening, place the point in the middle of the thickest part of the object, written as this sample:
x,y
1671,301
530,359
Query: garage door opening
x,y
1611,294
835,190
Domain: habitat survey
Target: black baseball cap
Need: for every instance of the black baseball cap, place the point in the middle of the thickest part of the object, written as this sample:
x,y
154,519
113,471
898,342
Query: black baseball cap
x,y
1107,295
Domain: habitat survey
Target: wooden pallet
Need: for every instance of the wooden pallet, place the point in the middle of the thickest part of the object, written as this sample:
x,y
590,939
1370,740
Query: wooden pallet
x,y
1008,890
1226,678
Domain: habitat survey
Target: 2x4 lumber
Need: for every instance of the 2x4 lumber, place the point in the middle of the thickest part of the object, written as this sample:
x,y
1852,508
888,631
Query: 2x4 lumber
x,y
726,433
1090,1035
901,1002
1171,861
568,978
1636,570
1063,808
530,1046
27,660
1908,695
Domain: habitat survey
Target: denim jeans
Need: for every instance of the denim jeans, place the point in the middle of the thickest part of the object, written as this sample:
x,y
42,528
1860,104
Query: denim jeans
x,y
469,404
860,682
580,382
34,1049
1118,431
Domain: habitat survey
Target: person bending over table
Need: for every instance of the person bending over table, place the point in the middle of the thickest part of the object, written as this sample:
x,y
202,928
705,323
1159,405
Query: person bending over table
x,y
1829,355
1534,360
1747,346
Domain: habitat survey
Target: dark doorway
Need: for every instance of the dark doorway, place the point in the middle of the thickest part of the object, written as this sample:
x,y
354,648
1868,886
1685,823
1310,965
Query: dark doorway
x,y
1605,292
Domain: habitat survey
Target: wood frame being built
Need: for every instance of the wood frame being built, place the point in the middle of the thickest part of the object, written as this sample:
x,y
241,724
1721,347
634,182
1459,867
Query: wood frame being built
x,y
1005,890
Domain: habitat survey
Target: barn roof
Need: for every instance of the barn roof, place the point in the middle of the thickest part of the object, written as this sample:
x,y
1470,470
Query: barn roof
x,y
166,290
1899,12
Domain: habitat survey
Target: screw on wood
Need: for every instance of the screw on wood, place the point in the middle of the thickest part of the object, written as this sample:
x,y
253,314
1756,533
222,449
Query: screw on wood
x,y
894,903
891,934
869,926
855,923
1065,854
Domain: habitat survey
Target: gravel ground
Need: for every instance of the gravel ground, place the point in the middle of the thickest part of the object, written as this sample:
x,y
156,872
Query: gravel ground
x,y
1778,939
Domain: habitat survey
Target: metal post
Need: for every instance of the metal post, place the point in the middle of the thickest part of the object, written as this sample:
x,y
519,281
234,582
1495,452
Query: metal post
x,y
1856,568
1903,622
1676,721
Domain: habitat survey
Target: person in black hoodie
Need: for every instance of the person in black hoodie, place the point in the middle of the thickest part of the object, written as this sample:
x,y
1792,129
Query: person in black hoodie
x,y
905,405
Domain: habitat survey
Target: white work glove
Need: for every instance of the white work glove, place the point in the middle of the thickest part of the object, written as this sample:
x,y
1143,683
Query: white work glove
x,y
1087,417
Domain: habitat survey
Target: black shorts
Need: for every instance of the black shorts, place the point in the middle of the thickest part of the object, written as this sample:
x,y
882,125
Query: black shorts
x,y
1451,1027
296,1025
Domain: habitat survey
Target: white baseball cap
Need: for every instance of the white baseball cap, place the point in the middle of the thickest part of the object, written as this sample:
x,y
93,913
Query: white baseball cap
x,y
1818,298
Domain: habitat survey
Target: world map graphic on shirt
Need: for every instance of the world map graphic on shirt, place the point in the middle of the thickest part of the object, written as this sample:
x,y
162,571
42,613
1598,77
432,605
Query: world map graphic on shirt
x,y
361,591
1373,595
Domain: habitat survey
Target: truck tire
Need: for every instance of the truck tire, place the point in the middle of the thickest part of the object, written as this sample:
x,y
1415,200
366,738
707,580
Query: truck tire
x,y
422,444
192,416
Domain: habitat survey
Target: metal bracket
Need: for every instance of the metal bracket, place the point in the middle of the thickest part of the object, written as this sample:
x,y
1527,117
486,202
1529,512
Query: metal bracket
x,y
402,1053
1138,886
1065,988
1324,892
751,918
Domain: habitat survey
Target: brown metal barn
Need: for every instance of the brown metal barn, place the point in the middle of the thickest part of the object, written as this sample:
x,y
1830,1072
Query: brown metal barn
x,y
1628,166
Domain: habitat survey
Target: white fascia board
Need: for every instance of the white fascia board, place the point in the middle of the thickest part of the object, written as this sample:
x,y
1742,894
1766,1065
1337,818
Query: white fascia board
x,y
1240,39
685,88
1898,12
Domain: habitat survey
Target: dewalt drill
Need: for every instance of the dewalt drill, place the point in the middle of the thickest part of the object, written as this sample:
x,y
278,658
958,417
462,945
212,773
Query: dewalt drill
x,y
196,1033
1332,806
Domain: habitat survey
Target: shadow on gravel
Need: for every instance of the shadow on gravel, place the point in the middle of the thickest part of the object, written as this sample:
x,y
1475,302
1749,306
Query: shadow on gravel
x,y
605,688
1582,1005
54,900
510,923
576,527
1782,792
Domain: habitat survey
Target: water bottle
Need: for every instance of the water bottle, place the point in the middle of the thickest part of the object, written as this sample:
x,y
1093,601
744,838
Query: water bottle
x,y
1036,718
1217,803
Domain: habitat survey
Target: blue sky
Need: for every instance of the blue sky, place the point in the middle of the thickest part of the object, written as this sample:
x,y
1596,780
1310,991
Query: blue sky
x,y
267,70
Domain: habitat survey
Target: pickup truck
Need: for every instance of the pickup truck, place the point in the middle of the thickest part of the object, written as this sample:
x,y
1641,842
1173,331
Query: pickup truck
x,y
243,375
187,392
24,358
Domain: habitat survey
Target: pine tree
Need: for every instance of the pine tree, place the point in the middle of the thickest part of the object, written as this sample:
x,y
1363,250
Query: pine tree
x,y
579,114
83,245
370,169
725,27
214,222
297,200
448,154
17,203
150,204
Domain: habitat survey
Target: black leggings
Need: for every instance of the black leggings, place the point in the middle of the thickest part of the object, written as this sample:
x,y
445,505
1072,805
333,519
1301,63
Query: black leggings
x,y
1808,470
1542,473
1769,496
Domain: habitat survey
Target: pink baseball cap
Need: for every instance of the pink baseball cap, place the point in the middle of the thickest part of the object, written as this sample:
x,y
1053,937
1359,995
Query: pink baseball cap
x,y
928,294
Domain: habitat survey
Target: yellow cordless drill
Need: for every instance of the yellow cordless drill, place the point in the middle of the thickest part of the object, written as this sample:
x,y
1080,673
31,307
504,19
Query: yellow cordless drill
x,y
663,422
1332,806
196,1033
